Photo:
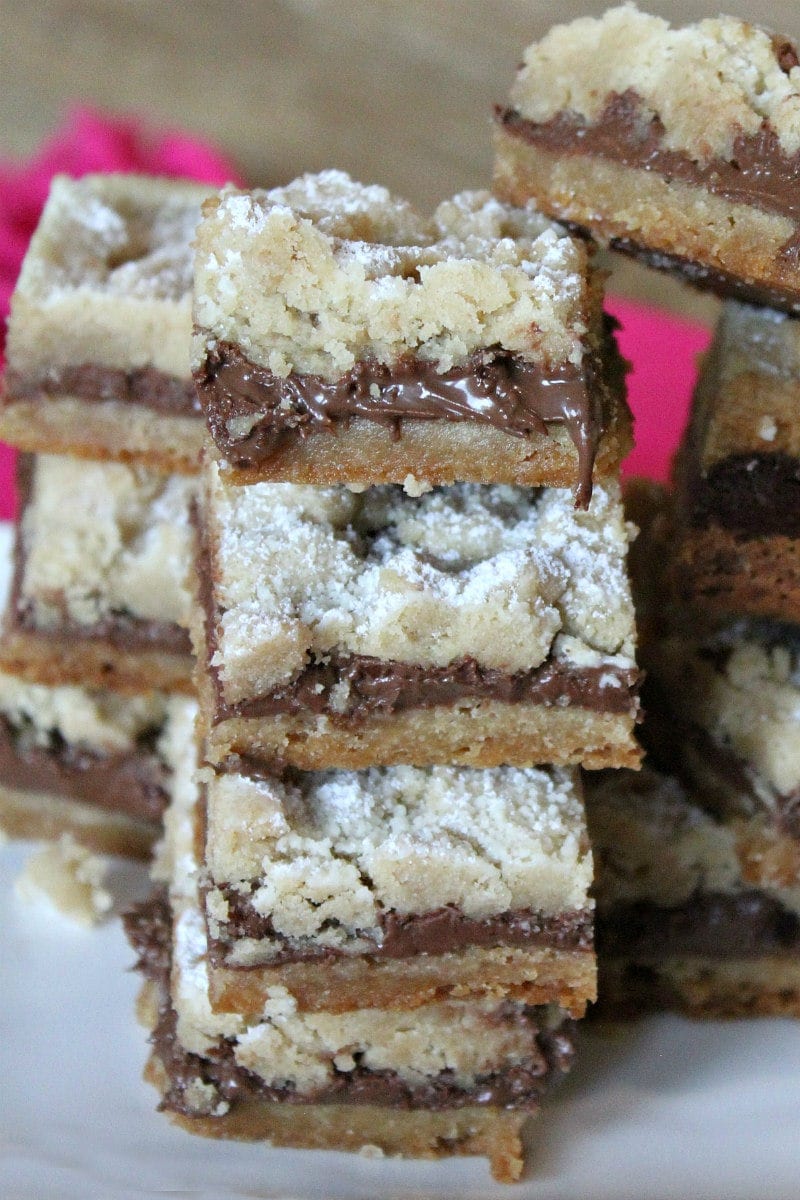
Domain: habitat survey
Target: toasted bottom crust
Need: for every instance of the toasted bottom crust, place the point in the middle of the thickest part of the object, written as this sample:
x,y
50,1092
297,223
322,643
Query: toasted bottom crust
x,y
93,662
42,815
725,574
537,976
437,452
106,430
615,202
369,1129
484,733
763,987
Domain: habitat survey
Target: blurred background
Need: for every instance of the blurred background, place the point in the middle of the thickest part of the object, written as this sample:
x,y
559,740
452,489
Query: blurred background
x,y
394,91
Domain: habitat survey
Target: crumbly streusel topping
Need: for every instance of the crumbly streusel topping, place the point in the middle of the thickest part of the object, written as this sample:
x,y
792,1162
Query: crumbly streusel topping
x,y
497,572
325,272
707,81
105,538
325,855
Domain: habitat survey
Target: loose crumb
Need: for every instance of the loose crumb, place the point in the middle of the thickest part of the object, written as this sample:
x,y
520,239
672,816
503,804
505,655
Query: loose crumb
x,y
70,878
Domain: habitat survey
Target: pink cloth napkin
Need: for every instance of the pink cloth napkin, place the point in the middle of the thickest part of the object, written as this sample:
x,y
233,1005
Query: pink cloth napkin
x,y
88,140
664,350
662,347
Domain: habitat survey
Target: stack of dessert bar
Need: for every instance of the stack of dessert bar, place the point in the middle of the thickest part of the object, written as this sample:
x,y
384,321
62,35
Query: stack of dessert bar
x,y
682,147
98,397
412,622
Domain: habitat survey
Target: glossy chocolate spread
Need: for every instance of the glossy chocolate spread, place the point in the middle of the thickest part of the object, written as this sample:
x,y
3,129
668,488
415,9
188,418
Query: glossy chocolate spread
x,y
378,687
716,925
442,931
145,387
253,413
519,1086
134,783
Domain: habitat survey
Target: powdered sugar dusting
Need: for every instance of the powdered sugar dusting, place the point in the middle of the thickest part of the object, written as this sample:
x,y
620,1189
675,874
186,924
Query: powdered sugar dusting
x,y
326,271
494,572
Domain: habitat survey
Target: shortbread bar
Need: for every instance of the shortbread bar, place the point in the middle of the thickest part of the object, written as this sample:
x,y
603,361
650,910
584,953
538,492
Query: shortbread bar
x,y
738,472
694,911
85,762
342,338
474,624
460,1076
100,591
99,336
680,146
395,886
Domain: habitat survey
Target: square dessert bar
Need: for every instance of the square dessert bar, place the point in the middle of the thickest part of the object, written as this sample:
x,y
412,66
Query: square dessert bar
x,y
396,886
738,472
342,338
87,762
456,1076
472,624
678,146
100,594
98,353
695,911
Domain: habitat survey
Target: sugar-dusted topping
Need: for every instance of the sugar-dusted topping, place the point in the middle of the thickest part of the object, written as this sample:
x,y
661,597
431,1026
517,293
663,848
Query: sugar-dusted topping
x,y
105,538
84,718
707,81
327,854
325,272
496,572
124,235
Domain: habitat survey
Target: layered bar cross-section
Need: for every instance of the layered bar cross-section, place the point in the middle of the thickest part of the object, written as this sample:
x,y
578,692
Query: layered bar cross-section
x,y
472,624
342,338
680,146
98,353
696,911
738,473
396,886
100,591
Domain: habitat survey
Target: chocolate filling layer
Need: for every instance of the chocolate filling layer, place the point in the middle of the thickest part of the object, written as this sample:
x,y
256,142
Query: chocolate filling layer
x,y
519,1086
134,783
752,494
718,926
441,931
121,629
377,687
758,173
146,387
252,413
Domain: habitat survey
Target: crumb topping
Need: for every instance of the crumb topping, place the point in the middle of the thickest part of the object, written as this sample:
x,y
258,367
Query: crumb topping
x,y
326,272
496,572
